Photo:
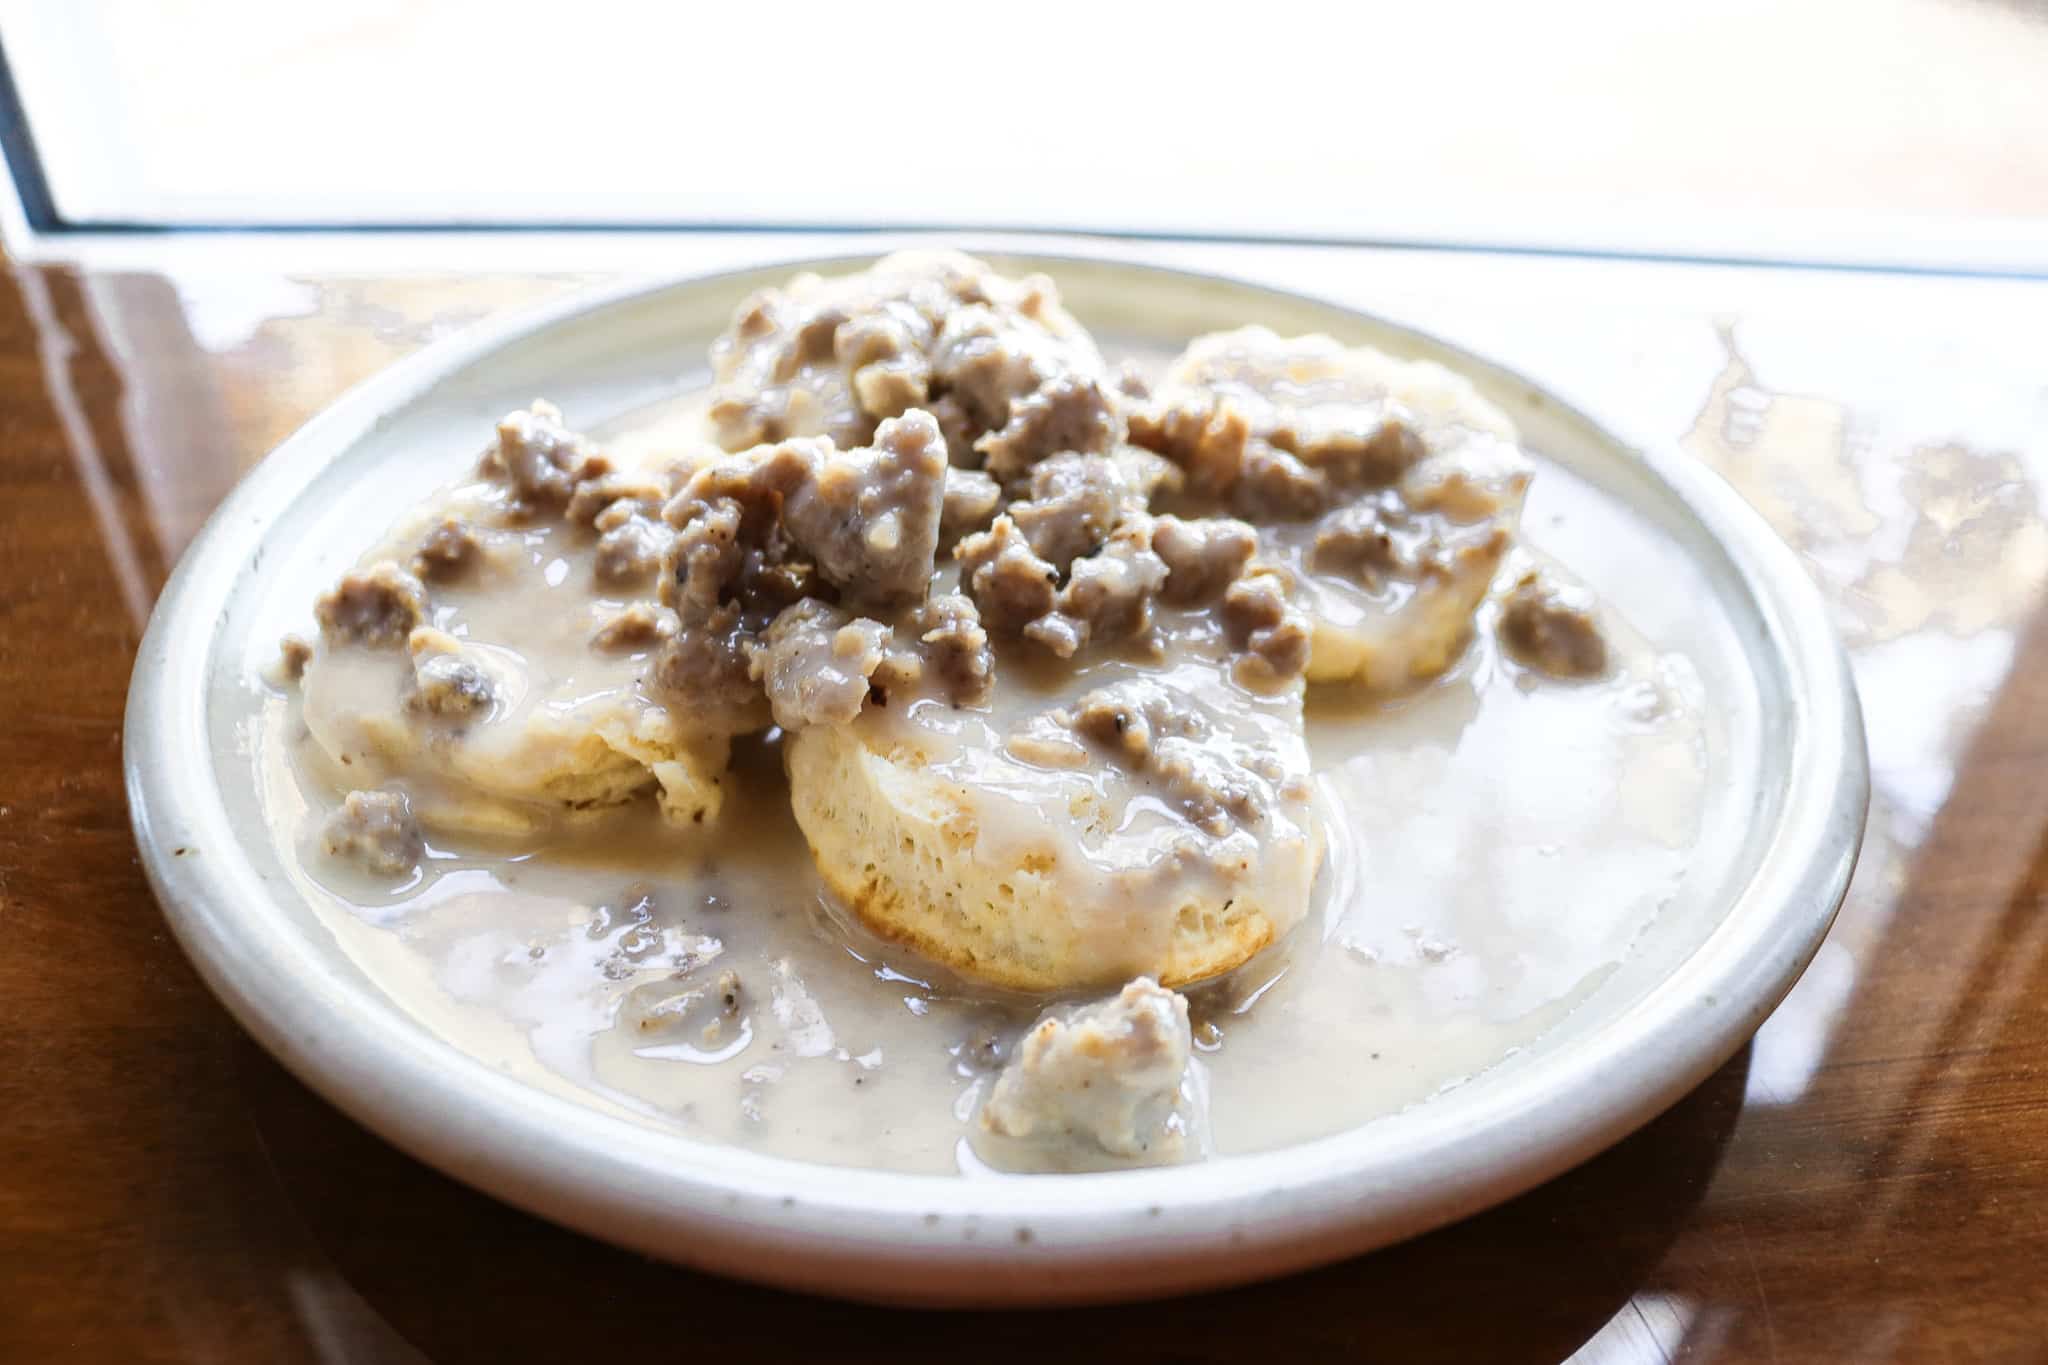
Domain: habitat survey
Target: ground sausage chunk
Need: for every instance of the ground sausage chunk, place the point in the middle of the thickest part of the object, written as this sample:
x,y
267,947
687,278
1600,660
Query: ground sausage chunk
x,y
293,654
866,521
630,493
1203,557
704,662
729,542
1075,502
900,671
636,626
1350,453
1213,441
444,682
754,484
1275,485
704,555
1236,402
1369,541
970,504
375,830
1109,1073
824,358
447,551
883,352
1553,627
1252,430
1107,596
1263,620
449,685
1475,483
869,518
935,330
733,564
773,575
1164,740
540,459
377,607
1203,434
949,628
815,661
1146,475
1009,582
630,552
1072,414
1025,379
983,365
704,665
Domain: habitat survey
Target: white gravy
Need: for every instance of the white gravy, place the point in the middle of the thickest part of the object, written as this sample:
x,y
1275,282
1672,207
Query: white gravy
x,y
1496,844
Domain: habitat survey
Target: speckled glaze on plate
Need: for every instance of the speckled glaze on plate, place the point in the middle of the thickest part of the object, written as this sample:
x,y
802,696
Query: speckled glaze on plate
x,y
1794,785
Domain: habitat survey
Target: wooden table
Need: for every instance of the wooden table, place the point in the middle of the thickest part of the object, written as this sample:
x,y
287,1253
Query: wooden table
x,y
1867,1181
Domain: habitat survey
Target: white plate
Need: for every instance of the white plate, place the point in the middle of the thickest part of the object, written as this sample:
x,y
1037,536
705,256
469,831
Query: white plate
x,y
1792,787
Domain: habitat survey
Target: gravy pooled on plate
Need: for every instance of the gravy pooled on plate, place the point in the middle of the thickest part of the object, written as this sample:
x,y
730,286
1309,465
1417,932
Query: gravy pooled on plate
x,y
924,749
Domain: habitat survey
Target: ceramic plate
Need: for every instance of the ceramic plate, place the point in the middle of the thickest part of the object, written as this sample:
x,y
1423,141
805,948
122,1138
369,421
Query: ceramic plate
x,y
1787,798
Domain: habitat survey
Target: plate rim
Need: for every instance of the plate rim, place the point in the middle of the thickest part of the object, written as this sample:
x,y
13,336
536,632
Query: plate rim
x,y
899,1237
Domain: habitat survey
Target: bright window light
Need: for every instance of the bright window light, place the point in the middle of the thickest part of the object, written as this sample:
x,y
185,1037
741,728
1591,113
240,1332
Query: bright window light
x,y
1601,124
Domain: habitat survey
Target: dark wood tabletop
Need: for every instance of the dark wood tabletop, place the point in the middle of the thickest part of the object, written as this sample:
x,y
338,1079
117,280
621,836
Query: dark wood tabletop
x,y
1868,1181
